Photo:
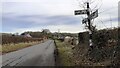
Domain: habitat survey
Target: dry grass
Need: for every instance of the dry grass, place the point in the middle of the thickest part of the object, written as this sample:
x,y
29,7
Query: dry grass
x,y
13,47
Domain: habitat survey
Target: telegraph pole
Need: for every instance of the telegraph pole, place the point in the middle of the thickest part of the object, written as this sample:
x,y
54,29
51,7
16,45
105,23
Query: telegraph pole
x,y
90,16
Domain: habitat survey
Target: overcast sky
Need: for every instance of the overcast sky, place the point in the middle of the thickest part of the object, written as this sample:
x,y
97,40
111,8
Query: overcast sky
x,y
35,15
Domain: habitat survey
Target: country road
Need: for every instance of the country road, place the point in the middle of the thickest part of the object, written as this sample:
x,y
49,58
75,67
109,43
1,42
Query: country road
x,y
37,55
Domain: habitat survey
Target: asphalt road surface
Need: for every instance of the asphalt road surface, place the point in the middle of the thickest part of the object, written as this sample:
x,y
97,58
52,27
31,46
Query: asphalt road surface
x,y
37,55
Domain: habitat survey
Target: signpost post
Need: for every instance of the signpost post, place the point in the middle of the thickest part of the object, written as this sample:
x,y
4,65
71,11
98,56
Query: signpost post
x,y
88,19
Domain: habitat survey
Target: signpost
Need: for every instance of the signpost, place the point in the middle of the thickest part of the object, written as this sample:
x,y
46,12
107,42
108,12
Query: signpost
x,y
78,12
94,15
85,20
88,19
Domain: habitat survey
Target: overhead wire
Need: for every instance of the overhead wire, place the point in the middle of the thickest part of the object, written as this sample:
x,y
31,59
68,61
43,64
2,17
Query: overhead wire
x,y
102,23
108,9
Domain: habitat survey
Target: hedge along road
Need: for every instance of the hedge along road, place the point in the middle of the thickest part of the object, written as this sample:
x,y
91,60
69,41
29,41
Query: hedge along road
x,y
37,55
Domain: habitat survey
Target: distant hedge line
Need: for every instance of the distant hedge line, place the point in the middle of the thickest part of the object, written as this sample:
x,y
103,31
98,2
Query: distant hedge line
x,y
6,39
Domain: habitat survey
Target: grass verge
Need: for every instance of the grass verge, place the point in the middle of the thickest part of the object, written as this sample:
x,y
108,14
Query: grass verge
x,y
65,54
14,47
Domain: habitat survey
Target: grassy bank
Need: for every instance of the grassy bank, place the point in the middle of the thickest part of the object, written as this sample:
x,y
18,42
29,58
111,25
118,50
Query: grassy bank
x,y
65,56
6,48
